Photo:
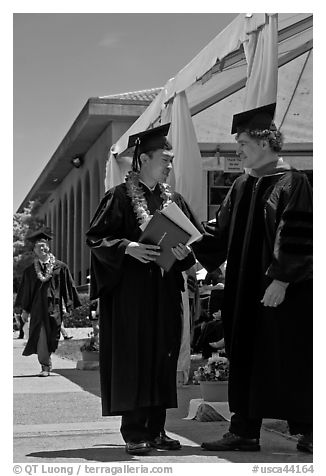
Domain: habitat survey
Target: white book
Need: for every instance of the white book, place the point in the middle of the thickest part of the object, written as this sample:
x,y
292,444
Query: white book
x,y
175,214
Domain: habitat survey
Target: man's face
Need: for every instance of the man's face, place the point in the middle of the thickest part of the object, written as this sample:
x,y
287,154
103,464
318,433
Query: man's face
x,y
41,249
250,150
159,165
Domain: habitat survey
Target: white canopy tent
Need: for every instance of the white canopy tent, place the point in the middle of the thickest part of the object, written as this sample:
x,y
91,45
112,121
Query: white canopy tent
x,y
220,69
214,81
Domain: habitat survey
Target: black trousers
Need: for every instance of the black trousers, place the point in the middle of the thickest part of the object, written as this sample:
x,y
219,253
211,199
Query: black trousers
x,y
142,424
250,427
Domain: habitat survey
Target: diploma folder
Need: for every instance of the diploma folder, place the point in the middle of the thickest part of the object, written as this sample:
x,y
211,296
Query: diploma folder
x,y
165,233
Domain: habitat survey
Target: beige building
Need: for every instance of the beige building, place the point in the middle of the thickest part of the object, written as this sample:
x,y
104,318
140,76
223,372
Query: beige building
x,y
72,184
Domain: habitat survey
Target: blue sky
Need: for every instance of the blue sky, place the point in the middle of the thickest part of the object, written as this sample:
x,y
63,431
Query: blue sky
x,y
60,60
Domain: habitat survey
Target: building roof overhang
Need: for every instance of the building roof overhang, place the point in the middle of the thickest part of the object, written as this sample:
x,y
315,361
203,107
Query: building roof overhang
x,y
94,118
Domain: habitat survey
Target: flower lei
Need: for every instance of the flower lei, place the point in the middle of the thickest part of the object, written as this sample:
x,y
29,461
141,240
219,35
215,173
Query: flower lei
x,y
136,193
48,269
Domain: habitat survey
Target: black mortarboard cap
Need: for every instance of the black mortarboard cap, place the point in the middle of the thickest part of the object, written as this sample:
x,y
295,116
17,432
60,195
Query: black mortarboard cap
x,y
38,236
260,118
151,139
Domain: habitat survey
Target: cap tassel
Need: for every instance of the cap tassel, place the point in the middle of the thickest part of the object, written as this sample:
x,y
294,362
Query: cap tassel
x,y
135,158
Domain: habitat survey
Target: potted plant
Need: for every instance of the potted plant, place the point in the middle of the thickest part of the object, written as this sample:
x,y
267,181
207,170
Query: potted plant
x,y
213,379
90,348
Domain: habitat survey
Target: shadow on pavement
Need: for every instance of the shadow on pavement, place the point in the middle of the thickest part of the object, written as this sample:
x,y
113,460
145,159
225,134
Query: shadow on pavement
x,y
111,453
88,380
88,454
25,376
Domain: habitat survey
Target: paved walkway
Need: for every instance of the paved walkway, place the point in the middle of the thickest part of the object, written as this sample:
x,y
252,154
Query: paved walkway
x,y
58,420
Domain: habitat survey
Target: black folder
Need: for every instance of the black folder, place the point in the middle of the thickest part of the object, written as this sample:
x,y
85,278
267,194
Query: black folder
x,y
165,233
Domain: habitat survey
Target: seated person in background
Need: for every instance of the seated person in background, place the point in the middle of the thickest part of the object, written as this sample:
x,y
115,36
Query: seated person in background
x,y
197,330
193,295
217,279
211,329
214,277
211,337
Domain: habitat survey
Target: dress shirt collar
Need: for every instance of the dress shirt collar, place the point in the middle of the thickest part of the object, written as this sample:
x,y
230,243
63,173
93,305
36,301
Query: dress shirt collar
x,y
151,189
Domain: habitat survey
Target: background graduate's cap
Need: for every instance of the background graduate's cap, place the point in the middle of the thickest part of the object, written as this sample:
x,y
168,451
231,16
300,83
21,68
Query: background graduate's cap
x,y
260,118
151,139
40,235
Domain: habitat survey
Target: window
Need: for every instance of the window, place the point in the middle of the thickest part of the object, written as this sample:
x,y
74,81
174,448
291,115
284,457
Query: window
x,y
219,183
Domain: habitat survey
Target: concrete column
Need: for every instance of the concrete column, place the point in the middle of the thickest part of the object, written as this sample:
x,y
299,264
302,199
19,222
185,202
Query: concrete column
x,y
71,234
77,232
58,231
53,222
48,219
64,230
85,252
96,190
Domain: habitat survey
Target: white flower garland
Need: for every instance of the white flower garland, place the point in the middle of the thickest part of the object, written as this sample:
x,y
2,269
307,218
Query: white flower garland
x,y
48,266
136,193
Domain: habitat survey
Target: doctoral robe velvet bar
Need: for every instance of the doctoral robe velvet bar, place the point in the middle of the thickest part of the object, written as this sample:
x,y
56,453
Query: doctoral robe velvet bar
x,y
140,309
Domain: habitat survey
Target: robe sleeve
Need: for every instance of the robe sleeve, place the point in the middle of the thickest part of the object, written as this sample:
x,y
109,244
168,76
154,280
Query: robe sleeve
x,y
69,292
211,251
292,254
183,265
24,296
107,246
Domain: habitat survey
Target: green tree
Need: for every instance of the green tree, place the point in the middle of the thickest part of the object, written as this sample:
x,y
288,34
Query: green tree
x,y
23,224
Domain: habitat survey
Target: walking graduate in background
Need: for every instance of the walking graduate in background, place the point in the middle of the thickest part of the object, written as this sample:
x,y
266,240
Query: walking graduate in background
x,y
47,288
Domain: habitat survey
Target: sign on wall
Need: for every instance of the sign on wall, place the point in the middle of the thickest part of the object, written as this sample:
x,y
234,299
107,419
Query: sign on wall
x,y
233,164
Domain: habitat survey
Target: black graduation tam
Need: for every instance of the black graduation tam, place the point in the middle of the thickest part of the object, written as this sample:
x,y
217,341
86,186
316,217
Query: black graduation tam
x,y
260,118
151,139
39,235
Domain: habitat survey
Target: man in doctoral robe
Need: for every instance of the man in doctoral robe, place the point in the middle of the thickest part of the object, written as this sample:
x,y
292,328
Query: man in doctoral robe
x,y
264,230
140,305
46,290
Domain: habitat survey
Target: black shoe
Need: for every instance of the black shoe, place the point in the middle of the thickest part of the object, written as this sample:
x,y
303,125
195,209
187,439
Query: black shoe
x,y
232,442
46,369
140,448
67,337
164,442
305,443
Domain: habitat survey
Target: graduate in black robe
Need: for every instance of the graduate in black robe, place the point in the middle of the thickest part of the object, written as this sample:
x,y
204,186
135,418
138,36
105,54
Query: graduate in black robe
x,y
140,305
264,230
46,289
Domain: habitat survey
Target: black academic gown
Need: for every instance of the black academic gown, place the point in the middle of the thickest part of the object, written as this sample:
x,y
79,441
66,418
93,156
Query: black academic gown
x,y
264,230
140,309
42,299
